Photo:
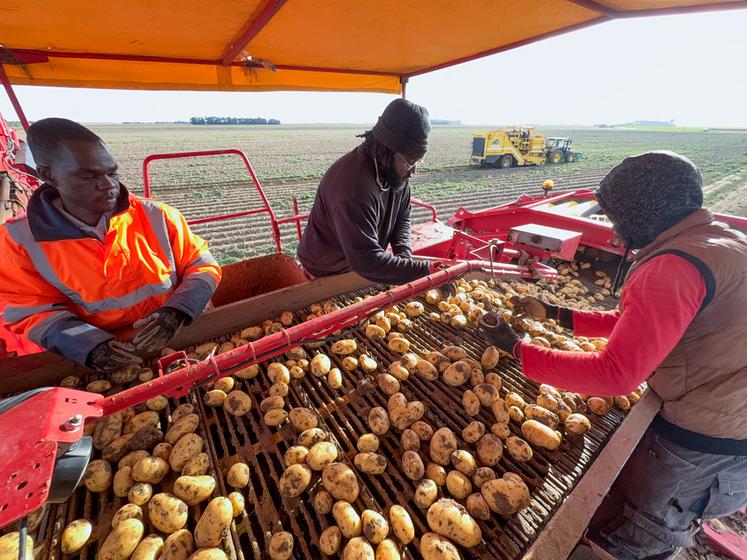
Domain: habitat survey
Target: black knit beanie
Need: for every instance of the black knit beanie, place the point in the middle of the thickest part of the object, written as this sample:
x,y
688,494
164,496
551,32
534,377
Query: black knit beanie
x,y
647,194
403,127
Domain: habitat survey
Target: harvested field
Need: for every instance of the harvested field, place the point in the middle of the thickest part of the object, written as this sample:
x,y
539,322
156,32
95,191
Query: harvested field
x,y
290,160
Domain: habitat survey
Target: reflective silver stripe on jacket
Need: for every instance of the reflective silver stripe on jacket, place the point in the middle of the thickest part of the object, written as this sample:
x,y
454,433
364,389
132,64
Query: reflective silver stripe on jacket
x,y
20,232
37,331
15,313
157,220
204,258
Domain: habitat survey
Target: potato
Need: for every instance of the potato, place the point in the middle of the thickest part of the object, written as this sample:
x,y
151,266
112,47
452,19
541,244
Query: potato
x,y
471,403
375,526
308,438
367,363
122,482
99,386
516,414
145,438
119,448
198,465
107,429
194,489
473,431
477,507
302,419
422,429
387,550
294,480
122,541
494,379
426,370
179,545
350,363
167,513
127,511
442,445
399,371
486,394
275,417
622,403
184,449
404,418
383,323
271,403
295,455
71,382
540,435
149,548
323,502
519,449
334,378
215,398
237,403
506,495
249,372
598,405
344,347
463,461
296,372
278,373
358,549
490,357
454,353
458,485
370,463
278,389
163,450
482,475
426,492
549,402
540,414
515,399
457,374
210,554
329,540
368,443
458,321
206,348
347,519
398,344
388,383
181,411
410,440
320,365
414,309
321,454
436,473
378,420
75,536
339,480
150,469
436,547
412,465
451,520
280,546
213,523
140,493
577,424
146,418
98,476
237,503
375,332
489,449
401,524
225,384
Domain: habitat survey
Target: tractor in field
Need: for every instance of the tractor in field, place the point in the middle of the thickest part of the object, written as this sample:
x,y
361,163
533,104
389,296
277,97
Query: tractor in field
x,y
519,146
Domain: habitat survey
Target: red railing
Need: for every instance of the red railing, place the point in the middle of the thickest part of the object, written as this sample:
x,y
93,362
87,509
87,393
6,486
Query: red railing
x,y
431,208
265,208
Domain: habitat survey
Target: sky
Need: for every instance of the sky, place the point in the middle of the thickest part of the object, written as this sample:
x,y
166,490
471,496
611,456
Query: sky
x,y
686,68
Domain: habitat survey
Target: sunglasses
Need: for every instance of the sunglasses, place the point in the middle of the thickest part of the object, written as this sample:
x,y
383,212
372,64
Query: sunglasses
x,y
410,165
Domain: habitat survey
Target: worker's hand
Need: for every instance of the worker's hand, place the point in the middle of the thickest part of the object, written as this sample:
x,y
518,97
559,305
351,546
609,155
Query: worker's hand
x,y
499,333
157,329
446,290
112,355
529,306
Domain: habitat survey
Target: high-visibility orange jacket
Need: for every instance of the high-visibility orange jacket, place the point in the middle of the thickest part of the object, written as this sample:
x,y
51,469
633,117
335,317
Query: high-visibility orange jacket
x,y
68,291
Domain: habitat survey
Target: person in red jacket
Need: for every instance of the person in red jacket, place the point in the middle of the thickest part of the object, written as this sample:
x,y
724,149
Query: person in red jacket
x,y
681,326
90,260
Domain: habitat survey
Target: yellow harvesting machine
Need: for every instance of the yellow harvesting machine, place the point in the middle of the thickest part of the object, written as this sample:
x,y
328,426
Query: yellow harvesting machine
x,y
519,146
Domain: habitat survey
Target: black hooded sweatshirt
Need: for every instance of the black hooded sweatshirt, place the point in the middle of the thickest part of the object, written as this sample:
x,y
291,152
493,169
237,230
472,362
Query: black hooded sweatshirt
x,y
353,221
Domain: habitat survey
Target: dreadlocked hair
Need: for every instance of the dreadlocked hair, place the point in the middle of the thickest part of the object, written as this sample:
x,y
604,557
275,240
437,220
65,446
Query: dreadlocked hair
x,y
376,150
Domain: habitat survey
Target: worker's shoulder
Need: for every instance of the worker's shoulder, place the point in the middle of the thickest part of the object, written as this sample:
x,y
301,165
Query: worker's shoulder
x,y
349,177
153,205
19,222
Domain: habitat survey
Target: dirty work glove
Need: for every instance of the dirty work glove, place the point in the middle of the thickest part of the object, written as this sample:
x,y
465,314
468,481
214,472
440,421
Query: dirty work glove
x,y
111,355
157,329
446,290
529,306
499,333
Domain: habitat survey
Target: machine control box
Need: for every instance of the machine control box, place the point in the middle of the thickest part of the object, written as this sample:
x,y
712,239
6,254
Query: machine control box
x,y
559,243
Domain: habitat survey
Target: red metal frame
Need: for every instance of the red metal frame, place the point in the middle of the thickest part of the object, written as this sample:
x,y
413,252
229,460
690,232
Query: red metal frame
x,y
207,153
250,30
429,207
13,99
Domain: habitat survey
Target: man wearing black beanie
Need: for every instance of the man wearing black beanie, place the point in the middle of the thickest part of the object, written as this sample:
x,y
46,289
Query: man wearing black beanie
x,y
362,205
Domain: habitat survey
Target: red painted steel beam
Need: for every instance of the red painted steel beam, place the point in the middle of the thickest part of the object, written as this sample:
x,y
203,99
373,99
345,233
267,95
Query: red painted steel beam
x,y
13,99
250,30
667,11
596,7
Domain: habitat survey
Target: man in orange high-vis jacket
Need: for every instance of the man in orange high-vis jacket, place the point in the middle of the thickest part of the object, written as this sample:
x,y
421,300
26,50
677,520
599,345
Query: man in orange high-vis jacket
x,y
90,259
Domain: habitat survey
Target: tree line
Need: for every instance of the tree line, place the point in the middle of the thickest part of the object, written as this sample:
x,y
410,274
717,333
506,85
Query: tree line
x,y
232,120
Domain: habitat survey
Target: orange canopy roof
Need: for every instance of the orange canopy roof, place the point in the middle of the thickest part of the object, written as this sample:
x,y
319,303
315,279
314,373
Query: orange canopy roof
x,y
259,45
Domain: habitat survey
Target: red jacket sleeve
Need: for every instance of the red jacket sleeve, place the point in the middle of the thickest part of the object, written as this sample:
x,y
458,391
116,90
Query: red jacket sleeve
x,y
594,323
660,300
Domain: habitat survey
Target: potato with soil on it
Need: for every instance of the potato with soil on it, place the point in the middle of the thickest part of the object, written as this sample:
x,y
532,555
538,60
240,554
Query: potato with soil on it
x,y
320,365
458,485
482,475
436,547
540,435
454,353
358,549
213,523
598,405
323,502
426,492
296,455
215,398
281,546
308,438
184,449
375,526
422,429
140,493
401,524
506,495
473,431
270,403
238,503
501,411
519,449
237,403
398,344
167,513
457,374
302,419
181,411
321,455
179,545
329,540
489,450
340,481
442,445
410,440
194,489
150,469
347,519
75,536
471,403
294,480
106,430
486,393
275,417
127,511
367,363
414,309
515,399
490,357
334,378
208,554
436,473
370,463
378,420
278,373
249,372
577,424
388,383
541,414
98,476
516,414
198,465
225,384
450,519
368,443
463,461
344,347
478,507
145,438
387,550
399,371
426,370
122,482
149,548
412,465
122,541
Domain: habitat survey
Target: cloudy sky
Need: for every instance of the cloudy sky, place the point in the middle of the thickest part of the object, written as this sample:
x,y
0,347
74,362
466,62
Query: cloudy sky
x,y
688,68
